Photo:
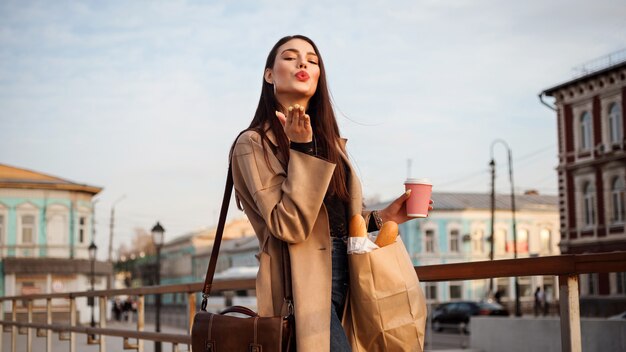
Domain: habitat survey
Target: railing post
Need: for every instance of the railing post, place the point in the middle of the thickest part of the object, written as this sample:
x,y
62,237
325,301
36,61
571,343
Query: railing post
x,y
102,305
29,331
72,323
1,319
570,313
140,320
14,328
191,300
49,321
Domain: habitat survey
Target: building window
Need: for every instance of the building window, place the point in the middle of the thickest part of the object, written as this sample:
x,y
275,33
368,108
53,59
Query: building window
x,y
522,241
454,241
592,284
589,201
525,286
620,283
545,241
585,131
456,290
478,241
617,200
430,241
81,229
615,123
431,291
28,229
1,229
500,241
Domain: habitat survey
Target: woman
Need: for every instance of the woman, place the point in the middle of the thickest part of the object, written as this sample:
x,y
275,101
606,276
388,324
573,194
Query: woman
x,y
295,183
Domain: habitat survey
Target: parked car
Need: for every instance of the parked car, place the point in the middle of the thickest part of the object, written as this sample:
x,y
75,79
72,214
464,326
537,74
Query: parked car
x,y
457,314
620,316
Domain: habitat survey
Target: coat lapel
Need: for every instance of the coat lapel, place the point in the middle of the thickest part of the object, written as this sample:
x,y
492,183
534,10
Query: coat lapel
x,y
354,186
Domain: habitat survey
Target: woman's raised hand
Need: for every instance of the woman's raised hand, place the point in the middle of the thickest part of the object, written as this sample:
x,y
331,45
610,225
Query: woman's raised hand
x,y
297,124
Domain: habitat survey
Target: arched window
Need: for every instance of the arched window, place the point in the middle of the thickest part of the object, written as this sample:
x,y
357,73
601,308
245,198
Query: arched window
x,y
478,241
500,241
454,241
615,123
429,241
585,131
522,241
589,204
617,200
546,241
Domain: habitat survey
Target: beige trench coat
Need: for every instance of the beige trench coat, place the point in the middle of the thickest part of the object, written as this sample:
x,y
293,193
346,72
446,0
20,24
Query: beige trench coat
x,y
287,205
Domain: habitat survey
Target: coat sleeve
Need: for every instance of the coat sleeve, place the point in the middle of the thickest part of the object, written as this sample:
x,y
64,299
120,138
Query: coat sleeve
x,y
288,202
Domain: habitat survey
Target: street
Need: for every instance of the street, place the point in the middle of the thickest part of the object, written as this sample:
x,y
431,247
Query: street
x,y
446,340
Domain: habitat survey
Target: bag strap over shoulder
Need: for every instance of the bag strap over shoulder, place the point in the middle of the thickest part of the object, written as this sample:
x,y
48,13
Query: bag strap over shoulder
x,y
208,280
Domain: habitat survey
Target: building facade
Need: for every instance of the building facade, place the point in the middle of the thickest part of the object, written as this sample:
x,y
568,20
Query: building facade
x,y
458,230
590,114
46,227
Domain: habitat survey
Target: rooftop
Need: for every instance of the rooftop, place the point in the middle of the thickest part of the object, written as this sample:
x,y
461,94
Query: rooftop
x,y
607,63
16,177
468,201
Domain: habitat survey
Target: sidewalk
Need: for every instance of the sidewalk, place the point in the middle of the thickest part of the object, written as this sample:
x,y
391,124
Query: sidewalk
x,y
112,343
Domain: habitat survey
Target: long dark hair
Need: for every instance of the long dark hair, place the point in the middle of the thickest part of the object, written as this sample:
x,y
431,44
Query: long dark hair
x,y
323,122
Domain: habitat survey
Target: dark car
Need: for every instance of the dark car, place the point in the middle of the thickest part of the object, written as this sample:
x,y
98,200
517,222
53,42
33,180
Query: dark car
x,y
457,314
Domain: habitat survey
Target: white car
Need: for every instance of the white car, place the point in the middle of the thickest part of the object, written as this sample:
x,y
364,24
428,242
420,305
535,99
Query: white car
x,y
620,316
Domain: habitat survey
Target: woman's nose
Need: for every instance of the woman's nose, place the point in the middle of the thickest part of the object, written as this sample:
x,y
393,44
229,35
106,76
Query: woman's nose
x,y
302,64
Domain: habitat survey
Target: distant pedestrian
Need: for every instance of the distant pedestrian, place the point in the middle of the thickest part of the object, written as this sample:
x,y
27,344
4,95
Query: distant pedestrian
x,y
117,309
498,296
546,303
539,301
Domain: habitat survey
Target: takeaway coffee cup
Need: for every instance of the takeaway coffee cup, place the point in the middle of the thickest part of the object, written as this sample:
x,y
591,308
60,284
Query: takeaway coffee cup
x,y
418,202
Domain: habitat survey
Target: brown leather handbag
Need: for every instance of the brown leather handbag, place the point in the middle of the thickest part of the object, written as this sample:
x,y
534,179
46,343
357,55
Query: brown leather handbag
x,y
220,332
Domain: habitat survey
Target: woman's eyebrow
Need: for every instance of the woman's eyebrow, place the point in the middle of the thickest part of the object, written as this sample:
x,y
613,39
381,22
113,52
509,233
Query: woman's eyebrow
x,y
297,52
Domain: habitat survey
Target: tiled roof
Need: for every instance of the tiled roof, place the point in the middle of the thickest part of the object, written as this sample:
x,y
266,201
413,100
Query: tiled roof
x,y
15,177
466,201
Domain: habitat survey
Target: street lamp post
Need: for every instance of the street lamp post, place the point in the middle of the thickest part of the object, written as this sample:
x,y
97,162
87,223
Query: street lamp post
x,y
518,311
92,257
157,238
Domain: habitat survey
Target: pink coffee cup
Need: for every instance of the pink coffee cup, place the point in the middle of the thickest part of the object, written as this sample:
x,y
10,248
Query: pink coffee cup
x,y
419,200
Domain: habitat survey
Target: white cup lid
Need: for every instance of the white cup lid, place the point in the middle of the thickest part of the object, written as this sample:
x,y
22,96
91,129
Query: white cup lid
x,y
418,181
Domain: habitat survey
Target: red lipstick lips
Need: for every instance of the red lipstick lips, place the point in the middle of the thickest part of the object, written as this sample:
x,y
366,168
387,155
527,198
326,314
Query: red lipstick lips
x,y
302,76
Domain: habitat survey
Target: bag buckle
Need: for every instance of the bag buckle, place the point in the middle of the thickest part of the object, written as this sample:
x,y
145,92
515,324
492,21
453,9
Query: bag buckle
x,y
210,346
204,302
255,348
290,311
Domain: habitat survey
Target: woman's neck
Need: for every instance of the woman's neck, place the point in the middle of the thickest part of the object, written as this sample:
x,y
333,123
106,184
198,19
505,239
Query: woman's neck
x,y
287,101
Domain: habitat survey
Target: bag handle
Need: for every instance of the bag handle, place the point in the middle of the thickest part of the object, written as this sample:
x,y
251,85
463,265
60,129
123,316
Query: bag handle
x,y
240,310
208,280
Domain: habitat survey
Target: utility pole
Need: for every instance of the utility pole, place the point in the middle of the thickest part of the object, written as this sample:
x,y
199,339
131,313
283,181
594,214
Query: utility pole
x,y
518,310
492,164
111,227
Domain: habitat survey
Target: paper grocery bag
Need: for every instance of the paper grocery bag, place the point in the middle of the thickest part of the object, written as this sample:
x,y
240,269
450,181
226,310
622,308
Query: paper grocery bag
x,y
387,305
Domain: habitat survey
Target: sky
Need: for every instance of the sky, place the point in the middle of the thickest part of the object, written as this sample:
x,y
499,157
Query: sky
x,y
144,98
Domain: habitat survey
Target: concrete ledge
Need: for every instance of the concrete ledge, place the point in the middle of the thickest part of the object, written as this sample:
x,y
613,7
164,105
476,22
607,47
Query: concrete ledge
x,y
543,334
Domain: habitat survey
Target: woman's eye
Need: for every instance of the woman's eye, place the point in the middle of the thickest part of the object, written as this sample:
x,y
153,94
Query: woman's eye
x,y
290,58
313,62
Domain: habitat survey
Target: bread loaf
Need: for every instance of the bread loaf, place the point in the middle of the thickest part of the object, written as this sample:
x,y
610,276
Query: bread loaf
x,y
387,234
357,226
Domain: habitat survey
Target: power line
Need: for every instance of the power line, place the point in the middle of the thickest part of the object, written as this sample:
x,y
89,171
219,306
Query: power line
x,y
486,171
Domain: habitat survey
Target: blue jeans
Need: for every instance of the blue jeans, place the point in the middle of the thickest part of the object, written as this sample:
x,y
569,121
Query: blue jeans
x,y
340,282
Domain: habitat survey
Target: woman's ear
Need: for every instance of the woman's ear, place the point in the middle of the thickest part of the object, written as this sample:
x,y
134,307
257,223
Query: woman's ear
x,y
268,76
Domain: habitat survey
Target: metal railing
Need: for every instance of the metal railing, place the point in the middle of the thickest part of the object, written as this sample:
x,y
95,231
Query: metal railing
x,y
566,267
600,63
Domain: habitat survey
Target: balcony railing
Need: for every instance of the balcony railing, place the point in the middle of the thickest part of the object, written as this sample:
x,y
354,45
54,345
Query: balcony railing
x,y
566,267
